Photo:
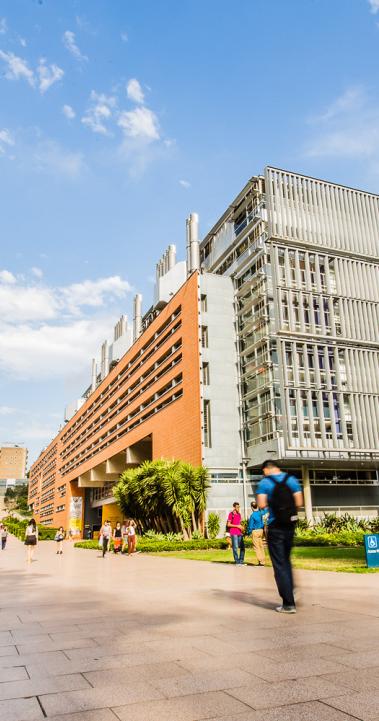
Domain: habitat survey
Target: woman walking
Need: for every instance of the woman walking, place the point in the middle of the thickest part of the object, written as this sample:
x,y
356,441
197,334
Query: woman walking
x,y
4,536
117,538
59,537
132,539
31,538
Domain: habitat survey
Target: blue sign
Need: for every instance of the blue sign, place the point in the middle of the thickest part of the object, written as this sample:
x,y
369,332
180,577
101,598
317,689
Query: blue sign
x,y
372,550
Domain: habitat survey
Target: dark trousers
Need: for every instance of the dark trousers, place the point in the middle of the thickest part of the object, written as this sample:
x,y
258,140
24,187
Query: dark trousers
x,y
280,542
3,543
238,544
105,545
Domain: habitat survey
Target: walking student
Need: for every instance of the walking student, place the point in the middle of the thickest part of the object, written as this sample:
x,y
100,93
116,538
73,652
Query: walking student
x,y
31,539
234,524
256,529
4,536
59,537
132,539
124,535
117,538
106,535
282,494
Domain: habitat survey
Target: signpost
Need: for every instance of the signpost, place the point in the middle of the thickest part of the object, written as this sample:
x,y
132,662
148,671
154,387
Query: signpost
x,y
372,550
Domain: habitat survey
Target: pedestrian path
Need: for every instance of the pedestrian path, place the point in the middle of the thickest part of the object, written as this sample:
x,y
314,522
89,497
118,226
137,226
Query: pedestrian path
x,y
146,638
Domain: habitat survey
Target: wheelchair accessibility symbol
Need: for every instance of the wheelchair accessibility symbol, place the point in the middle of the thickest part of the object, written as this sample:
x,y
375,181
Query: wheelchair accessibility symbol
x,y
372,542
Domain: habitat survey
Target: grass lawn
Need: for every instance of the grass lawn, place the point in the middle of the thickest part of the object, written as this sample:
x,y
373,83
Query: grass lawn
x,y
350,560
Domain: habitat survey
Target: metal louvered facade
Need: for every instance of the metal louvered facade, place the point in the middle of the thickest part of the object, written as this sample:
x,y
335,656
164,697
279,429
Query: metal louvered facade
x,y
304,257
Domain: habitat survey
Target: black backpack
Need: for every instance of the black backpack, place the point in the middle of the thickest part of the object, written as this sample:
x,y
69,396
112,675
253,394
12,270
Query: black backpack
x,y
282,502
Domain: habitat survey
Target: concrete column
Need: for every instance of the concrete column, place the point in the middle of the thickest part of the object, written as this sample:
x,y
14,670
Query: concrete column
x,y
307,495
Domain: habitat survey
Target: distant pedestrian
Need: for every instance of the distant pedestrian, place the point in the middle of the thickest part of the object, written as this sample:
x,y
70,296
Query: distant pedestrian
x,y
282,493
31,539
256,530
132,539
234,524
124,535
117,538
106,535
59,537
4,536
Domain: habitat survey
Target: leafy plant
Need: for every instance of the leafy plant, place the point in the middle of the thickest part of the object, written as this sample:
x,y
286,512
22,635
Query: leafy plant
x,y
164,496
213,525
197,535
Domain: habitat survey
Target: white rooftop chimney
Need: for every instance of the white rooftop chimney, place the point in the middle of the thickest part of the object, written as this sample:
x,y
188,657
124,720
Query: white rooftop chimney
x,y
137,318
193,250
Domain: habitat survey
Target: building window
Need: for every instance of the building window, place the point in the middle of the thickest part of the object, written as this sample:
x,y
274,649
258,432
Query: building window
x,y
203,303
204,336
207,424
206,374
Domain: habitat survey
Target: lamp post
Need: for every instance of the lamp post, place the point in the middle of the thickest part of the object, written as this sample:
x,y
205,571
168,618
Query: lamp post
x,y
245,461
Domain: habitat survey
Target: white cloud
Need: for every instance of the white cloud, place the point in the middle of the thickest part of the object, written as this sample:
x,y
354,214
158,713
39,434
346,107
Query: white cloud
x,y
99,112
374,6
51,332
134,91
17,68
140,123
50,157
7,410
3,26
6,139
22,42
184,183
37,272
124,37
349,128
48,75
70,44
69,112
44,76
7,277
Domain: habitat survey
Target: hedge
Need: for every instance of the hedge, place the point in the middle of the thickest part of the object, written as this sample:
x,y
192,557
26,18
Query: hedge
x,y
17,528
306,537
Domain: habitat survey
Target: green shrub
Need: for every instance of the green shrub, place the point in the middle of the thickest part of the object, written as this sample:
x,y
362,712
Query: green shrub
x,y
317,537
17,528
153,546
213,525
197,535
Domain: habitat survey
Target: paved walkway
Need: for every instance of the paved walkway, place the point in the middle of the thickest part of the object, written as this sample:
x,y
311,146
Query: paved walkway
x,y
159,639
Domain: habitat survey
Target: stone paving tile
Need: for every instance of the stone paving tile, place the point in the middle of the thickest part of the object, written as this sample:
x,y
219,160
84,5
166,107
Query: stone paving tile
x,y
149,672
270,670
297,653
163,654
312,711
5,638
21,709
286,692
7,651
209,644
15,673
111,695
368,659
207,663
46,644
36,687
366,679
184,708
101,714
364,706
41,659
202,682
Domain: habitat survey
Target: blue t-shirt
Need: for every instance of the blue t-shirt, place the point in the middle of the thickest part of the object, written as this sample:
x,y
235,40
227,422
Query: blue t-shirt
x,y
255,521
266,487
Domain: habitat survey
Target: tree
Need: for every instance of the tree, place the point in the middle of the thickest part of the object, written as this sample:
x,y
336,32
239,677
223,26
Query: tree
x,y
168,496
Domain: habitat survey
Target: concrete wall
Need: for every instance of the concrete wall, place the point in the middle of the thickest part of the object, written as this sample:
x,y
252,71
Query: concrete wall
x,y
222,391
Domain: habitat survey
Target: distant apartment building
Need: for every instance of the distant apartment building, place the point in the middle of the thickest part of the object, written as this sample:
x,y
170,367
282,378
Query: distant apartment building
x,y
13,461
264,343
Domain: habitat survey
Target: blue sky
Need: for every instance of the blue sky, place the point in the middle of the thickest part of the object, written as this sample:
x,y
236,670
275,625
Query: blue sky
x,y
117,119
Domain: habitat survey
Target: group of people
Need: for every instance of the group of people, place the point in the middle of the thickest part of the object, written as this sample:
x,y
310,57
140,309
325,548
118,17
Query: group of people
x,y
123,537
274,515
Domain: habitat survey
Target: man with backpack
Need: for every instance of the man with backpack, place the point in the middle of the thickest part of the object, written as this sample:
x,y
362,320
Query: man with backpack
x,y
282,494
